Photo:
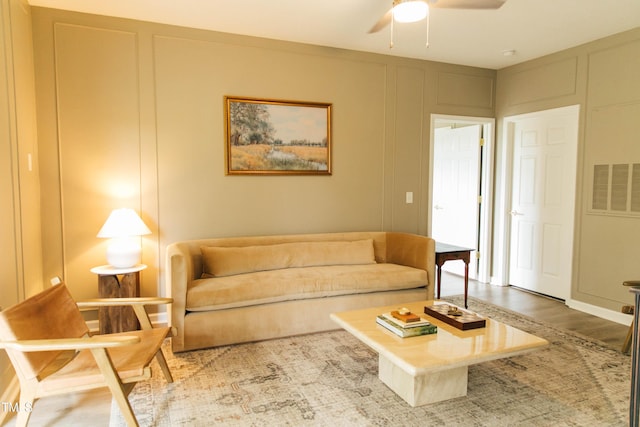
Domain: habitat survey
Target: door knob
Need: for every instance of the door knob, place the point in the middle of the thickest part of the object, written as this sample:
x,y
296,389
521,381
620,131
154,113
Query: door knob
x,y
516,213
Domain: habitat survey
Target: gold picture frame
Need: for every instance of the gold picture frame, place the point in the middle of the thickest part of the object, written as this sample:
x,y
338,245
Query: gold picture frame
x,y
274,137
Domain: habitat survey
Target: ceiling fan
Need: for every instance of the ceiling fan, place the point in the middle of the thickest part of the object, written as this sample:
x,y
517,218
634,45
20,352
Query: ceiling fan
x,y
416,10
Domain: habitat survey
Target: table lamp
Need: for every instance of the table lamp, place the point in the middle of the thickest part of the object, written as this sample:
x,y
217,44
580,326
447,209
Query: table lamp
x,y
123,227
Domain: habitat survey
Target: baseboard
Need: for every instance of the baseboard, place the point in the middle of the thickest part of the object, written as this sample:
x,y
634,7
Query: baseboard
x,y
604,313
496,281
156,319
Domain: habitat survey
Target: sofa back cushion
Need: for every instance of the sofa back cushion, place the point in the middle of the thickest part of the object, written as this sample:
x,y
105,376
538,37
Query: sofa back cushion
x,y
228,261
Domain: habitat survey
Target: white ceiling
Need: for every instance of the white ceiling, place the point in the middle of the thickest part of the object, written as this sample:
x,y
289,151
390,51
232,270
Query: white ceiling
x,y
532,28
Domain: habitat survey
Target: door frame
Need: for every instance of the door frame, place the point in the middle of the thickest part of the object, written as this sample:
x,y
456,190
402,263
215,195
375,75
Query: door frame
x,y
486,184
504,179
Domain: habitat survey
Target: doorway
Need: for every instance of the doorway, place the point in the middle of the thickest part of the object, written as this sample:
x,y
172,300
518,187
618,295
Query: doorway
x,y
460,196
539,197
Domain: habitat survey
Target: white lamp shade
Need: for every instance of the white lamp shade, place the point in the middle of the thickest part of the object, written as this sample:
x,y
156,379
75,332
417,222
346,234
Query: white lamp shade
x,y
123,222
410,11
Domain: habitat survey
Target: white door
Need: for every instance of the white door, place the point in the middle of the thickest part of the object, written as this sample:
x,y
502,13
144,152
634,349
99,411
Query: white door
x,y
456,168
543,201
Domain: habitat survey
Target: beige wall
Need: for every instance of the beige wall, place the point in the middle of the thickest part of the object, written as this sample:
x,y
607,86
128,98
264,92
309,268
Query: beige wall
x,y
131,114
20,238
602,77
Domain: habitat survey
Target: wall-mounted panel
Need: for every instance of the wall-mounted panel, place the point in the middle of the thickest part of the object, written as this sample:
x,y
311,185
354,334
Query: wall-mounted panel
x,y
613,124
609,81
99,139
192,78
544,81
608,257
9,224
27,147
20,238
409,122
464,90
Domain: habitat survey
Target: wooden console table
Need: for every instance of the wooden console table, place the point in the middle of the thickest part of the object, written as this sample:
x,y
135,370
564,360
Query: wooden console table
x,y
118,283
446,252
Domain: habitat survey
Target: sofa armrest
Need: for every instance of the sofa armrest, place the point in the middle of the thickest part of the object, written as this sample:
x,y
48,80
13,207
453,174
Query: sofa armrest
x,y
179,274
415,251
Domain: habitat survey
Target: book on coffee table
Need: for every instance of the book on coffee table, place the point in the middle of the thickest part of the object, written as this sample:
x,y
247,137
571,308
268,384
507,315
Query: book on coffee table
x,y
404,332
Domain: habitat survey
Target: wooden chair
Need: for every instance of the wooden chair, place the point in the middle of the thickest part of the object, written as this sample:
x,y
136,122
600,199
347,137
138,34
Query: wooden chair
x,y
52,352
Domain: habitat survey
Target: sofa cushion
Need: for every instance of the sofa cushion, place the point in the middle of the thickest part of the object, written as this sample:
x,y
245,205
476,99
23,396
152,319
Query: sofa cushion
x,y
228,261
300,283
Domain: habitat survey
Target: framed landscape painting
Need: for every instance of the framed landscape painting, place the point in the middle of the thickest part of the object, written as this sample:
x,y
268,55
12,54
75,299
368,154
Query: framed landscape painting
x,y
277,137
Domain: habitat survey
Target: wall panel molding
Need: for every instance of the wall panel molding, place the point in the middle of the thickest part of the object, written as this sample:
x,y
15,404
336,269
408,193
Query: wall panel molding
x,y
607,76
543,81
465,90
99,147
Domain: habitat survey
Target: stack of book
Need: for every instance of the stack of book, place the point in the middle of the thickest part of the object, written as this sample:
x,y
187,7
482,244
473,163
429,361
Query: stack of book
x,y
398,324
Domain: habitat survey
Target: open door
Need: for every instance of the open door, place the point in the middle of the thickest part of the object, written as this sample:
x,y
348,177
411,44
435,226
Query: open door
x,y
456,189
460,191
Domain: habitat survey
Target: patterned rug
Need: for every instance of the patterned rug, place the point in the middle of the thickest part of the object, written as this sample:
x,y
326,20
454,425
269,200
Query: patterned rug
x,y
330,379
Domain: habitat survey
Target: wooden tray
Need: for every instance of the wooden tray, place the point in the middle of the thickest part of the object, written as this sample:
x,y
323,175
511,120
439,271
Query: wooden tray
x,y
468,320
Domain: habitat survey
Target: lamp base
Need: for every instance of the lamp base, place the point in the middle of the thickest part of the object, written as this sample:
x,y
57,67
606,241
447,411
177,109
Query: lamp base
x,y
124,252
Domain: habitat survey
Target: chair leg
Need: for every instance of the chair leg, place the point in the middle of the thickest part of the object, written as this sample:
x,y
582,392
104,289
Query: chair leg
x,y
27,397
164,366
626,346
113,382
124,405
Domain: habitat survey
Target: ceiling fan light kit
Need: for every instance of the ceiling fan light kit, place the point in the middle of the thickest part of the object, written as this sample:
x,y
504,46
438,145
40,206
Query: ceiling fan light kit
x,y
409,10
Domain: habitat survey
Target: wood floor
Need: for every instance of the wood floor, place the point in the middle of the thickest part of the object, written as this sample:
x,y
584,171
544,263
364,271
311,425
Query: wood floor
x,y
541,308
94,408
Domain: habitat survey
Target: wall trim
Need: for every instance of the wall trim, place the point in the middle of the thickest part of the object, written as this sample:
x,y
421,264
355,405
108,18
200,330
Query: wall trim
x,y
604,313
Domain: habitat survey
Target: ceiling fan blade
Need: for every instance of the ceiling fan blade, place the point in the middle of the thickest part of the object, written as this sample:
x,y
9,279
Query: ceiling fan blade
x,y
382,22
466,4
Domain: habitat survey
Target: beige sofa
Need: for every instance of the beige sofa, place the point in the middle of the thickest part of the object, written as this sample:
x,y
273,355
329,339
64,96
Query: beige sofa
x,y
242,289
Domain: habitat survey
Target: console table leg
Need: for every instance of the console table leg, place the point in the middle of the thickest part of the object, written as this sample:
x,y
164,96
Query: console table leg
x,y
466,282
438,279
634,401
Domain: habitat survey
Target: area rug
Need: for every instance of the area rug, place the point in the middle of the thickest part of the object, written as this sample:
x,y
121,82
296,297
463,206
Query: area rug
x,y
330,379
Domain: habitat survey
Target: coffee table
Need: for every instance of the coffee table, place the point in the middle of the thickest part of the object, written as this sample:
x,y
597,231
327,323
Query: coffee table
x,y
432,368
